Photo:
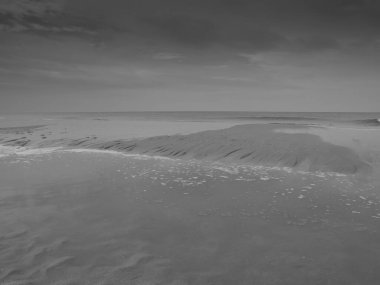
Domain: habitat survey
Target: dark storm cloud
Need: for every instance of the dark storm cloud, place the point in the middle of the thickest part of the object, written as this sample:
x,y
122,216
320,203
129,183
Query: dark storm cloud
x,y
200,32
186,23
251,25
91,55
254,25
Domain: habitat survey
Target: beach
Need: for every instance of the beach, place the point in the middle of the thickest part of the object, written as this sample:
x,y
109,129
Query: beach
x,y
192,199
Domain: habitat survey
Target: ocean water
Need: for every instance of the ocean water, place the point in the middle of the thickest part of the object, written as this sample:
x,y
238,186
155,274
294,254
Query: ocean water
x,y
211,116
235,116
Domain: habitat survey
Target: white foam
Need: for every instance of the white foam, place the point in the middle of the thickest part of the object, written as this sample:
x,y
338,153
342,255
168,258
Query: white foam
x,y
6,151
228,169
86,150
3,152
113,152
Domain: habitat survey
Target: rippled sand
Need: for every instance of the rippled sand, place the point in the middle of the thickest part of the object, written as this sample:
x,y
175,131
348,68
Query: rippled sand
x,y
84,217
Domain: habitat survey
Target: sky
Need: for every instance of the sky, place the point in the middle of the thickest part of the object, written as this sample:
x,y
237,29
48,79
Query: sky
x,y
198,55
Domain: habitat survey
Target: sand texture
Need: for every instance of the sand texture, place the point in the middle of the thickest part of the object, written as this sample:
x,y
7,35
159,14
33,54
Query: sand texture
x,y
99,217
83,202
245,144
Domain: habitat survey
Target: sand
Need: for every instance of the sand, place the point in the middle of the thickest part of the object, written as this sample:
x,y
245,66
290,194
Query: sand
x,y
103,218
266,145
249,204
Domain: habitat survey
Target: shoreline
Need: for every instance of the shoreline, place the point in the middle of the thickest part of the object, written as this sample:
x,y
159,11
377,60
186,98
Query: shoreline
x,y
252,144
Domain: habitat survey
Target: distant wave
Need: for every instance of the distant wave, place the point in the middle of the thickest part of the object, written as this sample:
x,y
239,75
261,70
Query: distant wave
x,y
371,122
367,122
274,118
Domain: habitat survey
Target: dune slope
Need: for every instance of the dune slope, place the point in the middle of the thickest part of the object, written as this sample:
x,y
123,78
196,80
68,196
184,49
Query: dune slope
x,y
248,144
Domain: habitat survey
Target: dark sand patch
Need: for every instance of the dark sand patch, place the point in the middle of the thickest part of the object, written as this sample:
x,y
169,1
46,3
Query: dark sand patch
x,y
20,130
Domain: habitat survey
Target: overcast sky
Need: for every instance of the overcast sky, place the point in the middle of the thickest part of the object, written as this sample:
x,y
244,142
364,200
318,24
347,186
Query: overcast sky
x,y
126,55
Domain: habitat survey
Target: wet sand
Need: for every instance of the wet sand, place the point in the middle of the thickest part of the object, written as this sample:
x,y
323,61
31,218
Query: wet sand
x,y
104,218
110,128
86,209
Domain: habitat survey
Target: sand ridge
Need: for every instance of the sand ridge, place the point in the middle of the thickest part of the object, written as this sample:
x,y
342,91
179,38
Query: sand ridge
x,y
247,144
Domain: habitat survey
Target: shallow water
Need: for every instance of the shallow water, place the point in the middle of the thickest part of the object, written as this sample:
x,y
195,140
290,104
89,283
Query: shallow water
x,y
104,218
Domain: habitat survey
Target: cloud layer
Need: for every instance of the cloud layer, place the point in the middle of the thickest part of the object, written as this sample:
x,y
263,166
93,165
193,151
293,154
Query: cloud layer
x,y
190,54
245,24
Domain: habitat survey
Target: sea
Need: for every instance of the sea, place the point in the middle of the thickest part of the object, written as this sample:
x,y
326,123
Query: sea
x,y
228,115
